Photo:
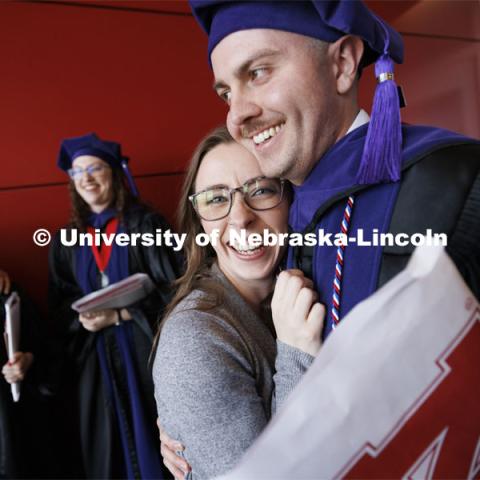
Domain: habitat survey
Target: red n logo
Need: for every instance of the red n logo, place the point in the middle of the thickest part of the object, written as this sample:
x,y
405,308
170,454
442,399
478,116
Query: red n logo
x,y
440,437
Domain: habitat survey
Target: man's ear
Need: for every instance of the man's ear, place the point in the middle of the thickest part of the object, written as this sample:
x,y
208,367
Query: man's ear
x,y
346,54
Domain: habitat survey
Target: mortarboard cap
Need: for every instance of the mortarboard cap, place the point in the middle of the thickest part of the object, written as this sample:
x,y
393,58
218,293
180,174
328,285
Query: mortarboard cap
x,y
91,144
328,20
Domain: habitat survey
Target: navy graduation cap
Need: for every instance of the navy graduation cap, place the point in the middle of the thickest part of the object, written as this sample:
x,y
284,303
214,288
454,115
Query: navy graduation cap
x,y
91,144
328,20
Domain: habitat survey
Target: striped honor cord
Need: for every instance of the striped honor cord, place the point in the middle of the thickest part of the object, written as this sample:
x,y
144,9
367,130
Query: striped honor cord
x,y
337,280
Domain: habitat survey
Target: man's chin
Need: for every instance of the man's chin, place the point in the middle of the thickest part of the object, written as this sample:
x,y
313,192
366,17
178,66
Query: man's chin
x,y
271,167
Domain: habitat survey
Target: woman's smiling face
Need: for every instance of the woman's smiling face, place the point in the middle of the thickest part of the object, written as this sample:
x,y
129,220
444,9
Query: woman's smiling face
x,y
94,186
231,166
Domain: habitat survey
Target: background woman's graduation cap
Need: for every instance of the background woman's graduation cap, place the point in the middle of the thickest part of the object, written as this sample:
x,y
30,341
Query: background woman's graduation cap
x,y
91,144
329,20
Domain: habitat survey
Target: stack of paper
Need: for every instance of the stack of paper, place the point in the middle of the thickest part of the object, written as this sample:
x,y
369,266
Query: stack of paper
x,y
12,334
118,295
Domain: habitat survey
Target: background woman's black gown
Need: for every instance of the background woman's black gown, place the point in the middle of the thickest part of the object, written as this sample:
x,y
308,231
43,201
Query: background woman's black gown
x,y
88,421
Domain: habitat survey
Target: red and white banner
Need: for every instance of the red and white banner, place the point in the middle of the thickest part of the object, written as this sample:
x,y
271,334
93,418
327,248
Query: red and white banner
x,y
394,392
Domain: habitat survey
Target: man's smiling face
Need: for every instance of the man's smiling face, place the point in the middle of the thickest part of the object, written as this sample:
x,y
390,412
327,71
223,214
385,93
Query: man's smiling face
x,y
281,91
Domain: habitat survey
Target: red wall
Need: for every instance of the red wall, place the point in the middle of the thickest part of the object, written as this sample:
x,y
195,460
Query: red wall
x,y
139,77
136,72
441,71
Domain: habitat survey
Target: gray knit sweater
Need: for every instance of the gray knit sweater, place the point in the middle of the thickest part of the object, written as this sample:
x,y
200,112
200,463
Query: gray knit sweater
x,y
219,375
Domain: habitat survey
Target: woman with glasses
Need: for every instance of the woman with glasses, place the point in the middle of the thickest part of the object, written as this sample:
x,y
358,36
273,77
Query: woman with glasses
x,y
107,389
220,369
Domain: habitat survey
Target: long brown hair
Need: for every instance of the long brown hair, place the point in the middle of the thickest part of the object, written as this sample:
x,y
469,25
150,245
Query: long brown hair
x,y
198,259
122,199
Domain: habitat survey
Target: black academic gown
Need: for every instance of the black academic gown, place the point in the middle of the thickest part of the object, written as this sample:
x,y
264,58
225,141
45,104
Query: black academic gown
x,y
25,441
94,448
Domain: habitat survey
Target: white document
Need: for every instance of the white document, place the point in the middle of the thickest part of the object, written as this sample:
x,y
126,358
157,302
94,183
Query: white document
x,y
117,295
393,393
12,334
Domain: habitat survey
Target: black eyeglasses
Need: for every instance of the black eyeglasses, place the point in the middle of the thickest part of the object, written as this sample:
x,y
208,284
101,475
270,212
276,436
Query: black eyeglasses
x,y
259,194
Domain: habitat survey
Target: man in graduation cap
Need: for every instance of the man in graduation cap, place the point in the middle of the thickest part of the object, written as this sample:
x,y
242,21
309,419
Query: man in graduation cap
x,y
289,73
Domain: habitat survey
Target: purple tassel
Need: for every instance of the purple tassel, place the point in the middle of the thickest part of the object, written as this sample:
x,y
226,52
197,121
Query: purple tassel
x,y
131,182
382,153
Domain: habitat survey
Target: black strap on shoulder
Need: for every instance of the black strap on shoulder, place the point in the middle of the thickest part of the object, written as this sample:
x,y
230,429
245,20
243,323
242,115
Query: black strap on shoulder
x,y
464,244
465,240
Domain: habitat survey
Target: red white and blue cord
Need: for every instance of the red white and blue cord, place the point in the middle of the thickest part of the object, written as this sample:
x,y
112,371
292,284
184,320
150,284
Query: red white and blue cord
x,y
337,280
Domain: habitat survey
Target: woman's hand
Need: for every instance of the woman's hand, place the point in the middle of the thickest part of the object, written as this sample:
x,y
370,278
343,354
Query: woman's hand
x,y
297,316
14,371
176,465
98,320
5,283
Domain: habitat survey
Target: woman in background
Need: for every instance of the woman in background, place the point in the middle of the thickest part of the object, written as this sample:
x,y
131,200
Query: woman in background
x,y
220,369
106,374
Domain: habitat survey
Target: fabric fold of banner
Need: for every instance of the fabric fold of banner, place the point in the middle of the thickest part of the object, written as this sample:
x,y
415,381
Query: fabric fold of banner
x,y
393,392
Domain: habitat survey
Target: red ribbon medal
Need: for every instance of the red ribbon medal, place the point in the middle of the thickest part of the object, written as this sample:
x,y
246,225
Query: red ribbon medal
x,y
102,256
